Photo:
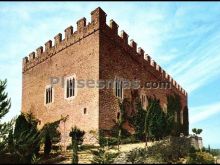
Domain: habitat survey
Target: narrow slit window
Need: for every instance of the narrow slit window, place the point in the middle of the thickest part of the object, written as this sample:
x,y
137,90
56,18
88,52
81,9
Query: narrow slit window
x,y
119,88
85,110
49,95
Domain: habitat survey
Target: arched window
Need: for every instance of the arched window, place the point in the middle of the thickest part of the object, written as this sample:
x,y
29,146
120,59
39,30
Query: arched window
x,y
49,94
70,87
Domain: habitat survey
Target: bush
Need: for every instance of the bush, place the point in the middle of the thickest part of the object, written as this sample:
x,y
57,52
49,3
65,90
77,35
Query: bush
x,y
166,151
107,141
129,140
200,158
101,156
136,155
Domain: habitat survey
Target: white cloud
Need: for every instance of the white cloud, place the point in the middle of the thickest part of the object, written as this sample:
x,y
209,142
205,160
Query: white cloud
x,y
201,113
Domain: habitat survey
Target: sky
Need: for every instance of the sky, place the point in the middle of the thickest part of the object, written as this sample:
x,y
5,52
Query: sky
x,y
182,37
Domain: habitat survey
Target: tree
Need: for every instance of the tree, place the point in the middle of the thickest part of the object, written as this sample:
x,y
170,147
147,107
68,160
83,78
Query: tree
x,y
197,131
50,135
26,138
146,123
77,138
173,110
156,121
10,141
185,127
209,149
138,120
26,146
21,125
151,122
5,104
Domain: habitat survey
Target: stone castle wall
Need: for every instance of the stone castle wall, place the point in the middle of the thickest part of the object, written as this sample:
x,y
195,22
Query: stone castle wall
x,y
94,51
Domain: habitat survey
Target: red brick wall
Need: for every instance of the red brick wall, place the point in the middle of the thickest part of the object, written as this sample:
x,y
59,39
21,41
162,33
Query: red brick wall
x,y
119,59
77,54
94,51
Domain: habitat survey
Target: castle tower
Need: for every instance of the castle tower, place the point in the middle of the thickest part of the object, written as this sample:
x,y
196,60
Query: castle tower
x,y
94,51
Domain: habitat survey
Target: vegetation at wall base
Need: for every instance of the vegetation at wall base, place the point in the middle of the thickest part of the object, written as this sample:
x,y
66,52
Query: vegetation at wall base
x,y
77,139
101,156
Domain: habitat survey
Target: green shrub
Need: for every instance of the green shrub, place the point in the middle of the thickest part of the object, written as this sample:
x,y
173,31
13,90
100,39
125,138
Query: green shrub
x,y
136,156
107,141
200,158
166,151
102,156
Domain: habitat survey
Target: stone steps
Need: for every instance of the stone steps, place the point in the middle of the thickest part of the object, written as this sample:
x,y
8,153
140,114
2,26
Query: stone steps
x,y
86,156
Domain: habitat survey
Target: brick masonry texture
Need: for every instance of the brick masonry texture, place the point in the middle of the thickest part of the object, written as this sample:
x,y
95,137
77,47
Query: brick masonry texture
x,y
94,51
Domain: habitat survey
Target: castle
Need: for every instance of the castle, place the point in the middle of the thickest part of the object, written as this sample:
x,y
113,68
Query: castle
x,y
94,51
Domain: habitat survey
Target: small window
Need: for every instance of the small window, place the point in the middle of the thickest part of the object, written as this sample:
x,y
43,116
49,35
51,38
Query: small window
x,y
84,110
119,88
118,115
48,94
70,88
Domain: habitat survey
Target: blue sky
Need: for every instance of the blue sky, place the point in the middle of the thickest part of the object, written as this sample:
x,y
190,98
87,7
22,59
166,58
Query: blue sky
x,y
183,37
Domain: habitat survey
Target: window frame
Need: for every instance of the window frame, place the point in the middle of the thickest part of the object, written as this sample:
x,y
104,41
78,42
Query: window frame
x,y
67,78
118,82
45,95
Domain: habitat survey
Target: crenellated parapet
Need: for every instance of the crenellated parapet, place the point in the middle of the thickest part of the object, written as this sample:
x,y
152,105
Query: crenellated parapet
x,y
84,29
138,53
98,20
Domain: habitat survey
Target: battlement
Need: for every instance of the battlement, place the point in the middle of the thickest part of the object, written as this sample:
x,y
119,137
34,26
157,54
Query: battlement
x,y
98,22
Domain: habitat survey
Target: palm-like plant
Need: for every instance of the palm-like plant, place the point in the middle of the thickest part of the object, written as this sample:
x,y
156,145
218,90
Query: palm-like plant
x,y
77,138
197,131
